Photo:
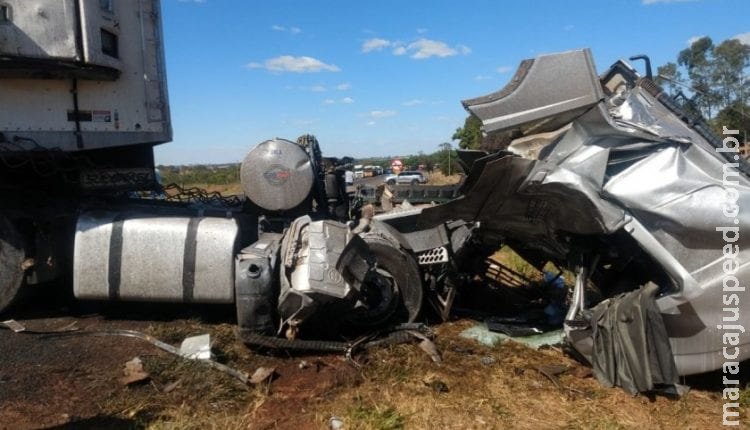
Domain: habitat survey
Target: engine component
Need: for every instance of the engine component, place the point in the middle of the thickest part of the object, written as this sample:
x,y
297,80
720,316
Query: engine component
x,y
256,285
152,256
277,175
309,254
364,280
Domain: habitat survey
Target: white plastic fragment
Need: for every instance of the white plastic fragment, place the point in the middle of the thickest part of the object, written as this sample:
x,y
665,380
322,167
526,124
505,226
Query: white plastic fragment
x,y
196,347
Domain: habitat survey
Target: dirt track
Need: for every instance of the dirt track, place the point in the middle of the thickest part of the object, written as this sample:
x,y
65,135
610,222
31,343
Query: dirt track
x,y
74,382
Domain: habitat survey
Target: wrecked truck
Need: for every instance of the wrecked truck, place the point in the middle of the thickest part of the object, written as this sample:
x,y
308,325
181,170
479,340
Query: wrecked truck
x,y
609,176
84,101
605,175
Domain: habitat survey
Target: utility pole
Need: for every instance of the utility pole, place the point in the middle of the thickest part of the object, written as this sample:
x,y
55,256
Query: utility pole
x,y
449,159
447,146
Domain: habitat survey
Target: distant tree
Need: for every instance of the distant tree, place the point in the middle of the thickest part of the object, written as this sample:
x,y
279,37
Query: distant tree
x,y
669,77
697,60
718,88
730,58
446,159
425,160
735,117
470,135
411,161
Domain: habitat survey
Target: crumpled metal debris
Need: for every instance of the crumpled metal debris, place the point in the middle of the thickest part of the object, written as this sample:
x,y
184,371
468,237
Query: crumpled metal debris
x,y
237,374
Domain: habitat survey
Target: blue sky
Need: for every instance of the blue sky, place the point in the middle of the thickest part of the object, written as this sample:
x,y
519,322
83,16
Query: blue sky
x,y
386,77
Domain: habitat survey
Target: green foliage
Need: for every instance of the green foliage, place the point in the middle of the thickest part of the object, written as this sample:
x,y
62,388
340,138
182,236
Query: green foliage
x,y
366,416
735,117
470,135
200,174
446,159
717,82
668,76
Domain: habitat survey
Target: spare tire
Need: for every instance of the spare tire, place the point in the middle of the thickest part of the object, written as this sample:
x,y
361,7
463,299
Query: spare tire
x,y
11,258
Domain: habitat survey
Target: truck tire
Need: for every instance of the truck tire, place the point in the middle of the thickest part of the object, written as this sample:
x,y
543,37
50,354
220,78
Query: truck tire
x,y
407,292
414,182
391,182
11,258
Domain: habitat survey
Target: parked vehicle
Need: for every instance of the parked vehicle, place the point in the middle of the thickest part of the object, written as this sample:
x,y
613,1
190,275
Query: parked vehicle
x,y
412,177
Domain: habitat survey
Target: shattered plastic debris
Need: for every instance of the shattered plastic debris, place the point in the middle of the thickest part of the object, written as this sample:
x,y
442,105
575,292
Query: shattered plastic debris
x,y
262,374
14,325
133,372
336,423
196,347
483,335
487,360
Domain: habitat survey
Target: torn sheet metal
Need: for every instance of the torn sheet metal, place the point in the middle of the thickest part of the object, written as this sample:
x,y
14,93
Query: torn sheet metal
x,y
630,343
626,185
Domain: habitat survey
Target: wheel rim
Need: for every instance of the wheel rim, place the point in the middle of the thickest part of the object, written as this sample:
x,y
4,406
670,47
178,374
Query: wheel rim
x,y
11,257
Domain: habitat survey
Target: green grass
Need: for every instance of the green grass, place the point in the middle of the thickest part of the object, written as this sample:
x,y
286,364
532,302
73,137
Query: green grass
x,y
365,415
745,397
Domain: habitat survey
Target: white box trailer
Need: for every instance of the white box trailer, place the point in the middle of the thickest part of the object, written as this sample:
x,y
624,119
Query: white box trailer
x,y
82,74
83,100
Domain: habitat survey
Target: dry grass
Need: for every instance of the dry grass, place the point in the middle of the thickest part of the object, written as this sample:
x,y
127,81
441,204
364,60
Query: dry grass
x,y
398,387
510,393
438,178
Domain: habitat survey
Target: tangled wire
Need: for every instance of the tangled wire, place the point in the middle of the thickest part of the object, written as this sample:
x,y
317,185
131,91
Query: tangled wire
x,y
174,192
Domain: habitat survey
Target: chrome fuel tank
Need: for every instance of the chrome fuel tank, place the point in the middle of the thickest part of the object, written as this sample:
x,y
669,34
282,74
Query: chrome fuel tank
x,y
142,256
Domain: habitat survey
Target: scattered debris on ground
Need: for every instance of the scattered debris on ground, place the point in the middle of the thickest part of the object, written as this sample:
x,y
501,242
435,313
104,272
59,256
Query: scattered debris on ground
x,y
398,386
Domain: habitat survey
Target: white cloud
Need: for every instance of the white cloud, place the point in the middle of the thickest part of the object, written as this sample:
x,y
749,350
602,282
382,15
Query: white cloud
x,y
343,101
650,2
422,30
382,113
192,1
399,50
288,63
419,49
743,37
482,77
426,48
318,89
412,102
371,123
292,30
694,39
370,45
504,69
344,87
569,27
